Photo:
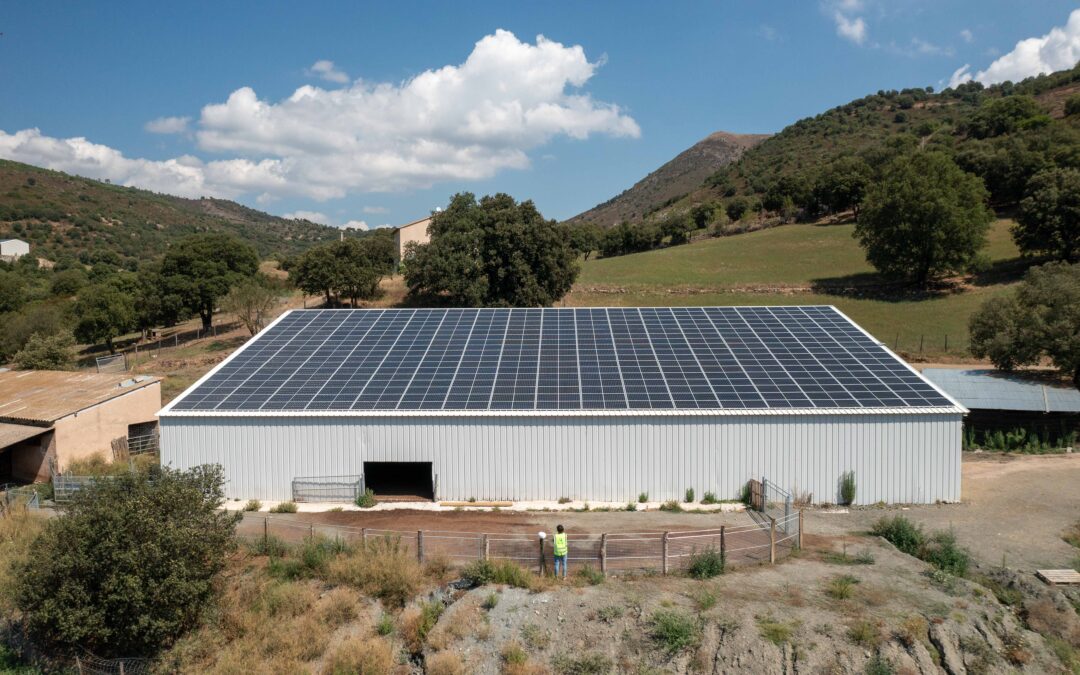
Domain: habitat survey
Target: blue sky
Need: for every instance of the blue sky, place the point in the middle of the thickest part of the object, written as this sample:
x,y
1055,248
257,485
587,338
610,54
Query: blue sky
x,y
415,101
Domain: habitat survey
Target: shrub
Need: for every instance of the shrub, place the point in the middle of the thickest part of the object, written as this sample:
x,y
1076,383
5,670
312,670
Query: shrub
x,y
912,630
901,533
746,494
491,601
705,597
564,500
385,626
382,568
671,505
512,654
367,500
609,613
253,505
18,529
371,655
674,630
847,488
776,632
589,575
864,634
643,497
284,507
944,553
417,622
706,564
709,498
589,663
269,546
339,607
534,636
689,496
481,572
1072,535
879,665
631,506
444,663
841,587
130,564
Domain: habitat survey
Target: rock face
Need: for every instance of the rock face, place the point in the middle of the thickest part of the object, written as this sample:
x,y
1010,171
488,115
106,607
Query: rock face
x,y
783,619
679,176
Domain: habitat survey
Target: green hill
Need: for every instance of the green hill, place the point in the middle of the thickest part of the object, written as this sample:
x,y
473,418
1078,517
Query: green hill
x,y
802,264
65,216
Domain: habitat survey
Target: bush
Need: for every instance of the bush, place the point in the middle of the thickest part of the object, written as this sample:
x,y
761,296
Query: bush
x,y
481,572
284,507
776,632
706,564
631,506
253,505
643,497
18,530
609,613
371,655
417,623
689,496
130,564
269,546
385,625
564,500
865,634
674,630
491,601
709,498
944,553
589,663
847,488
382,568
589,575
901,533
745,494
367,500
841,587
512,654
671,505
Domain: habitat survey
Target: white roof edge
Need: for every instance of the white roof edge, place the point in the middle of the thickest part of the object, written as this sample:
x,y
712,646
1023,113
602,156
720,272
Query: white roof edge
x,y
167,410
635,412
902,361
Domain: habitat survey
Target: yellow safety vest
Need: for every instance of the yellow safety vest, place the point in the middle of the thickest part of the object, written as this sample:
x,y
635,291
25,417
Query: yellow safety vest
x,y
560,543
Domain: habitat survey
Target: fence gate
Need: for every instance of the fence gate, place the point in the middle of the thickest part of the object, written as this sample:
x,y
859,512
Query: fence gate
x,y
116,363
326,488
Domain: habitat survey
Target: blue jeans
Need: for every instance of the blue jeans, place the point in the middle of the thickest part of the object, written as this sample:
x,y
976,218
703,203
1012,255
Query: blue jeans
x,y
560,563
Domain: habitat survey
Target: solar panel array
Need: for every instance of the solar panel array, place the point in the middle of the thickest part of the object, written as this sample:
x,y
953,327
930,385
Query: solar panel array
x,y
658,358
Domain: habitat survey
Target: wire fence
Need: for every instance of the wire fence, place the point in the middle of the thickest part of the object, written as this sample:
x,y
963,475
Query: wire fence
x,y
757,541
15,496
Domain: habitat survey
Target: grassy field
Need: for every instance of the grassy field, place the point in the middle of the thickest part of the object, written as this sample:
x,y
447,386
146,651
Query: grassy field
x,y
793,265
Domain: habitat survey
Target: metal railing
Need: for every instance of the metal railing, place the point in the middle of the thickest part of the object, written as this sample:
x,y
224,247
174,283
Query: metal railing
x,y
326,488
19,495
65,487
750,543
137,445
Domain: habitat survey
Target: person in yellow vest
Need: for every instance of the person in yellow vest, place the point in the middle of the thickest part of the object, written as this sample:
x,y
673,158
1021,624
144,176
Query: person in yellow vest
x,y
560,551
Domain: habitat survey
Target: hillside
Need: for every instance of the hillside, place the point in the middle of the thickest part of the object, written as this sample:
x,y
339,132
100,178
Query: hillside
x,y
68,216
673,180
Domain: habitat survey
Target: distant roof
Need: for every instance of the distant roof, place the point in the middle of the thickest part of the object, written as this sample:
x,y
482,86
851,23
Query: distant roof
x,y
415,222
40,397
988,389
4,241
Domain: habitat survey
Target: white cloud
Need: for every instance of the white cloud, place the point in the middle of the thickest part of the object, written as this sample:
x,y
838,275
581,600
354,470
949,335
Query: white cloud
x,y
455,123
853,29
313,216
356,225
1057,50
376,209
960,75
168,125
326,70
967,36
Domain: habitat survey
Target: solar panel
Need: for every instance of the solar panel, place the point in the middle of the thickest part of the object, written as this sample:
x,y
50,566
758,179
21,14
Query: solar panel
x,y
651,358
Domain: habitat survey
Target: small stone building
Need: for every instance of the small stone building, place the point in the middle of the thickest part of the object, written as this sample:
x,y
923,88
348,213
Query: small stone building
x,y
415,231
56,416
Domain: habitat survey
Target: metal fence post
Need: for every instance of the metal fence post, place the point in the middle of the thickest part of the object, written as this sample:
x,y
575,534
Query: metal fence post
x,y
664,564
543,562
787,514
723,544
772,539
603,553
800,529
420,546
483,546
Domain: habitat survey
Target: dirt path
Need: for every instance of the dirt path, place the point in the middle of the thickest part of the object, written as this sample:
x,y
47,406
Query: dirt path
x,y
1013,506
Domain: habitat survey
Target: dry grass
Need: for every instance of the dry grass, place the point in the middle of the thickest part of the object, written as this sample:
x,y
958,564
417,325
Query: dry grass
x,y
465,619
912,630
383,569
444,663
339,607
369,655
18,528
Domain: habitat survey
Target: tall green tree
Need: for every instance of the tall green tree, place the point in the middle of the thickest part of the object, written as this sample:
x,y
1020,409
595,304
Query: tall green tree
x,y
130,564
202,268
584,238
314,272
360,265
47,352
492,252
1049,218
103,312
843,184
1040,320
925,218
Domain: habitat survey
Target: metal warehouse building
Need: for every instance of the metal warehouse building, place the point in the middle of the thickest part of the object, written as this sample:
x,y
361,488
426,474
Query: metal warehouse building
x,y
588,403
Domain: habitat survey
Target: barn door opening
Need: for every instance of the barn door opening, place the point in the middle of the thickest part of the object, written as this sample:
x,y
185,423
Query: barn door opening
x,y
400,481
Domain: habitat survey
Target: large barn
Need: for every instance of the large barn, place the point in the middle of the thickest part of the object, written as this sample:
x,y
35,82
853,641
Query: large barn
x,y
588,403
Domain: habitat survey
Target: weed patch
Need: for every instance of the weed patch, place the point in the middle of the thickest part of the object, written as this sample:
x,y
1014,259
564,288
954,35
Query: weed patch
x,y
284,507
776,632
841,587
590,663
674,630
706,564
589,575
253,505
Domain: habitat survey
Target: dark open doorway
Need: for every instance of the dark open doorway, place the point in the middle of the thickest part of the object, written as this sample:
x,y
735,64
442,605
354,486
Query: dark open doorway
x,y
399,481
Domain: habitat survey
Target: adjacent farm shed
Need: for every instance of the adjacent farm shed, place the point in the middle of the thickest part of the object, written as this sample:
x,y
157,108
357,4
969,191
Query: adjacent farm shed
x,y
588,403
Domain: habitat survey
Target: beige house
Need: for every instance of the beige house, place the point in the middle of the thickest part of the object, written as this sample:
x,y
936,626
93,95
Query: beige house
x,y
63,416
415,231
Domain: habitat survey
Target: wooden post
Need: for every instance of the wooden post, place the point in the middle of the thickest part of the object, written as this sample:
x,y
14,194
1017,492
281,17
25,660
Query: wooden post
x,y
420,546
311,531
663,567
78,664
800,529
543,563
772,539
483,547
723,544
603,553
363,536
266,531
121,668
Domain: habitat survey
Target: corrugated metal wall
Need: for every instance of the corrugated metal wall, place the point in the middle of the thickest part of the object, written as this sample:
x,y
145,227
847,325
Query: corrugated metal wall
x,y
908,458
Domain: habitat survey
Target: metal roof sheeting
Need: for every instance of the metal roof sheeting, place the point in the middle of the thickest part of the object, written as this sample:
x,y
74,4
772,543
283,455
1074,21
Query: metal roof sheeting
x,y
43,396
989,389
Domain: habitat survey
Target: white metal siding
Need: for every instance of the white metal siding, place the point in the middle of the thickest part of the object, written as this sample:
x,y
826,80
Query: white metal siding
x,y
896,458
